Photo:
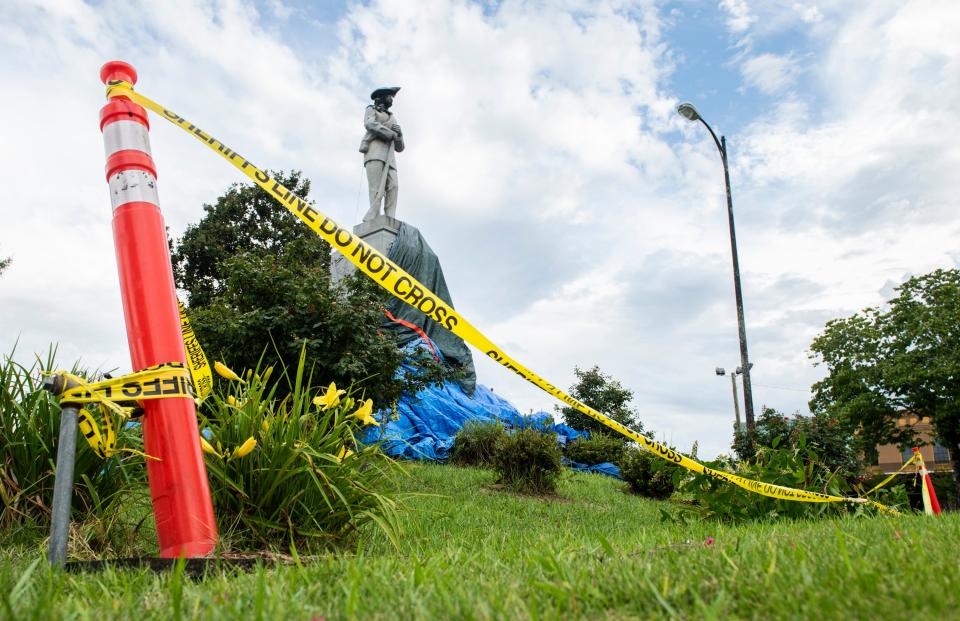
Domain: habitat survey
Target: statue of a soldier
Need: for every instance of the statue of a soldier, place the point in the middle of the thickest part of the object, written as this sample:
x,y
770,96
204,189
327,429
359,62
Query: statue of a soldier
x,y
379,145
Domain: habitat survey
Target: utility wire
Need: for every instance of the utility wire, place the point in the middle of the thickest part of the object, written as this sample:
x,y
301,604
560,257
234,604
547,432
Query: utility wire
x,y
782,387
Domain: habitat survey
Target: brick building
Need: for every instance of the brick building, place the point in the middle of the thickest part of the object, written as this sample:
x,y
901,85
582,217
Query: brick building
x,y
890,458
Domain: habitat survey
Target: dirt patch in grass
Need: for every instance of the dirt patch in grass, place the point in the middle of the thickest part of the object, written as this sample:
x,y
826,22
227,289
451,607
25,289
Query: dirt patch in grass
x,y
193,567
503,489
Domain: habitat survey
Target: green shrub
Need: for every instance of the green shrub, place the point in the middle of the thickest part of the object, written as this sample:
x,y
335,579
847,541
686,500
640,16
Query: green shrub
x,y
305,479
798,468
833,442
647,474
29,431
476,443
596,449
528,460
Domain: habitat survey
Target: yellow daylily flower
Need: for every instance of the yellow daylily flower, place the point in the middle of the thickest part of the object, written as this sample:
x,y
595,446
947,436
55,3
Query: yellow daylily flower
x,y
264,426
207,447
344,453
225,372
266,374
365,413
330,399
244,449
231,400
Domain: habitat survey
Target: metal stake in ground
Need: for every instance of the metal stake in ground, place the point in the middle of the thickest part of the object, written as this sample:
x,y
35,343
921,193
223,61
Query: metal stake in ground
x,y
63,477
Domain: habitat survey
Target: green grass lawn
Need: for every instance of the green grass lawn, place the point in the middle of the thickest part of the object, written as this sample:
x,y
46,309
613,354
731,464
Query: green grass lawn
x,y
470,552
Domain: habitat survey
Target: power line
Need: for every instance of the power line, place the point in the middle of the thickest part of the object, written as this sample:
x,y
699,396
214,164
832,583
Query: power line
x,y
783,387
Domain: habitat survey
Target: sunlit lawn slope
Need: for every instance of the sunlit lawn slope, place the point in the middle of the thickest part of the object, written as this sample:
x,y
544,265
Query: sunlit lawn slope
x,y
469,551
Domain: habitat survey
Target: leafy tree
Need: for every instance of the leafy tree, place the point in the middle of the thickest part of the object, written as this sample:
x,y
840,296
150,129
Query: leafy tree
x,y
258,284
4,263
604,394
244,221
832,442
884,362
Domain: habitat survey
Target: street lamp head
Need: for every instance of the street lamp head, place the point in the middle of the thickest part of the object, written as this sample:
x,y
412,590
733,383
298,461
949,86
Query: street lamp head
x,y
687,111
739,370
720,371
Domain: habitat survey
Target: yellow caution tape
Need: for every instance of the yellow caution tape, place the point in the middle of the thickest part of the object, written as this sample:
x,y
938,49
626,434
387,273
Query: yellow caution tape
x,y
196,360
161,381
104,444
890,478
394,279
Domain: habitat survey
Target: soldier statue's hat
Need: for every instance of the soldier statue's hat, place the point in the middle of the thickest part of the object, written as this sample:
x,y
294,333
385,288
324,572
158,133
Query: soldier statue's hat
x,y
383,91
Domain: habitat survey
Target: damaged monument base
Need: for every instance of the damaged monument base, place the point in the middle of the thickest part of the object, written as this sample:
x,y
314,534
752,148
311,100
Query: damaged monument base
x,y
379,233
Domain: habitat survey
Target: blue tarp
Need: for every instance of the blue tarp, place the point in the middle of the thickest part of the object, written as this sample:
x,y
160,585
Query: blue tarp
x,y
428,421
611,470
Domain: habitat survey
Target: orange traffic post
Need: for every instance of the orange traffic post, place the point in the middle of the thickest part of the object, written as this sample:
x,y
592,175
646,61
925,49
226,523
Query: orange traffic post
x,y
178,478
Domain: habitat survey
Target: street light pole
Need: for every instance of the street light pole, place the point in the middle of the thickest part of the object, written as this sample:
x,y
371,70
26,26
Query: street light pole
x,y
690,113
738,291
736,400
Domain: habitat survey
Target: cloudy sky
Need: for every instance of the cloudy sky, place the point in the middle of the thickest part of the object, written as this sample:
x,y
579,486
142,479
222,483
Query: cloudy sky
x,y
580,221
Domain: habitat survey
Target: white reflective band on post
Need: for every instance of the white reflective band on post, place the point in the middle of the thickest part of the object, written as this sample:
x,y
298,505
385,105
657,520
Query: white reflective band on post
x,y
130,186
125,135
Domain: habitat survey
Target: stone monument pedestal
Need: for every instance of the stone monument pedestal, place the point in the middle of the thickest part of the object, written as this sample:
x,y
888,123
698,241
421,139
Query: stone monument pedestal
x,y
379,233
405,245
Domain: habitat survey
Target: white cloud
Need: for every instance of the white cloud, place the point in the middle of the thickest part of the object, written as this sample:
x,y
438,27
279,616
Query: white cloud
x,y
885,142
769,73
809,13
739,16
